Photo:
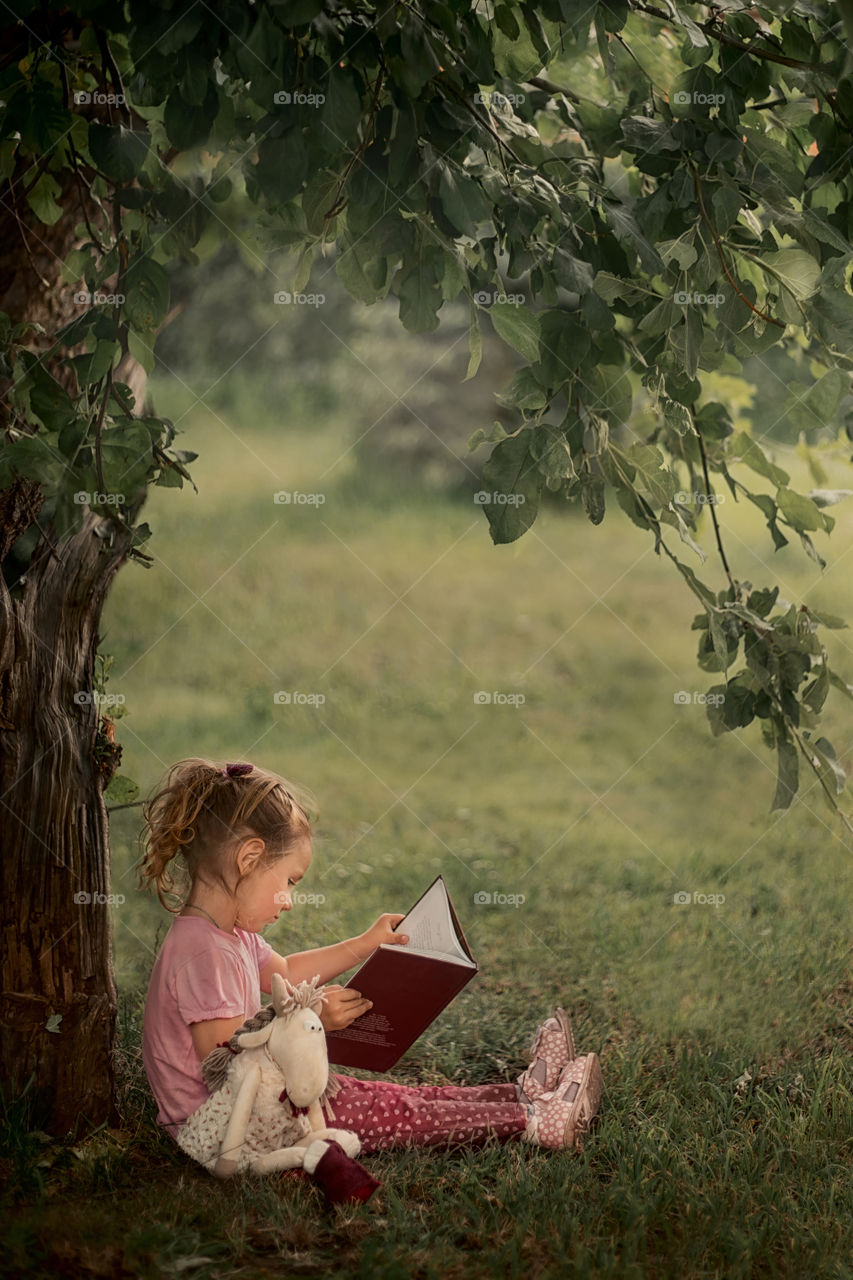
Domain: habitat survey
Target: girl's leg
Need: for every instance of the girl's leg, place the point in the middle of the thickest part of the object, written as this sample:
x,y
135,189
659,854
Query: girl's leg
x,y
500,1092
385,1114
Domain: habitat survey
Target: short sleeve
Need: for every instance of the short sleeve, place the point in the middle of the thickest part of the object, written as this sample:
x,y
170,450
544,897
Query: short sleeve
x,y
206,989
264,950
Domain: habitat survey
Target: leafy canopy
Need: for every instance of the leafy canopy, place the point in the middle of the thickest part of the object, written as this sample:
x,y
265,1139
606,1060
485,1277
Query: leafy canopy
x,y
668,187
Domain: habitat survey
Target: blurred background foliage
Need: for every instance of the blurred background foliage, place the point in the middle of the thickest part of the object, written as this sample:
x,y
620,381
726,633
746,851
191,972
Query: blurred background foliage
x,y
338,356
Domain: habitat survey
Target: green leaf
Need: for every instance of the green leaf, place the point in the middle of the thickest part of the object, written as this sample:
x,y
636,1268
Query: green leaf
x,y
126,458
693,341
118,152
744,447
512,483
830,620
614,14
631,237
121,790
296,13
524,392
187,125
420,298
419,62
147,294
463,201
841,685
827,764
799,511
652,474
42,199
548,445
475,346
796,269
592,496
678,417
91,367
363,274
341,112
572,273
814,695
142,349
718,640
50,403
766,504
828,497
35,458
564,343
518,327
282,166
787,775
454,276
681,251
505,18
816,407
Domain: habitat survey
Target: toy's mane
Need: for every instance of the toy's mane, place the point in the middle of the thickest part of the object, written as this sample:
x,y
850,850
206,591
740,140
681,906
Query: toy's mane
x,y
214,1069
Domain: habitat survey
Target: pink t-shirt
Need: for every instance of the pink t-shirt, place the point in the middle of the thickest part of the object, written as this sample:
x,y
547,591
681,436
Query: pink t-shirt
x,y
201,973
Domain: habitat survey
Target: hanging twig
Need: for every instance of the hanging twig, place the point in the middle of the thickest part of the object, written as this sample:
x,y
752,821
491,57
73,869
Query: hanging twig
x,y
721,255
712,505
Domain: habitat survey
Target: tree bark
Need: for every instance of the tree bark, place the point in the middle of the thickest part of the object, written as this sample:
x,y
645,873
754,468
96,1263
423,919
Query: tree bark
x,y
54,869
57,991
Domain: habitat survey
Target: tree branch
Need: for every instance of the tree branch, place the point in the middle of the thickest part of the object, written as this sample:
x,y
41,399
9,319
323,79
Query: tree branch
x,y
712,29
719,248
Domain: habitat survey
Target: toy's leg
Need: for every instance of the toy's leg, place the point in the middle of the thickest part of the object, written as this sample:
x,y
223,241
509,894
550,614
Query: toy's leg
x,y
349,1141
235,1134
284,1158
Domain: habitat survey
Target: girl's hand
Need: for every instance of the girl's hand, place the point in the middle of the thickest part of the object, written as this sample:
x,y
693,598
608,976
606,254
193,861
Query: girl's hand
x,y
341,1007
383,931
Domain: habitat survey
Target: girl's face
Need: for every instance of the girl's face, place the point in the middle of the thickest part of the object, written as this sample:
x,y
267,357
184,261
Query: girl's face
x,y
266,893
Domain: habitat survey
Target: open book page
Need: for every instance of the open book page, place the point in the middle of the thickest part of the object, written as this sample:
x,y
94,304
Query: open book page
x,y
430,927
433,955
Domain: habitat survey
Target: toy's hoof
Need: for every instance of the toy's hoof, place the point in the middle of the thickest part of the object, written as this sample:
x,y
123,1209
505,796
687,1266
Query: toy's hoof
x,y
339,1177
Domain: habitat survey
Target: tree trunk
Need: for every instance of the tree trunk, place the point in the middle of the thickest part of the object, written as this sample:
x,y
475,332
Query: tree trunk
x,y
58,996
54,871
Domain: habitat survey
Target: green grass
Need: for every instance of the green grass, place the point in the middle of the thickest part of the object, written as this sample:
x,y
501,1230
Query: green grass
x,y
723,1147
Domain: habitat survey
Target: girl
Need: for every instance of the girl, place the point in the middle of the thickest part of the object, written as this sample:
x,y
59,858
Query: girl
x,y
244,841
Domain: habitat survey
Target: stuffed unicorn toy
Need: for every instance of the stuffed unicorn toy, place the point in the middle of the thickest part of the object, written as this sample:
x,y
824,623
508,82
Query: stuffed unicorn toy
x,y
268,1086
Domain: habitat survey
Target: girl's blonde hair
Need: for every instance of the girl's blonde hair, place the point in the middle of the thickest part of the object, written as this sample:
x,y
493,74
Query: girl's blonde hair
x,y
202,811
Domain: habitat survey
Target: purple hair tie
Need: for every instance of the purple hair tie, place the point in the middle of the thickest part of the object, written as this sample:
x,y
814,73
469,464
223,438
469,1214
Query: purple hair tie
x,y
237,770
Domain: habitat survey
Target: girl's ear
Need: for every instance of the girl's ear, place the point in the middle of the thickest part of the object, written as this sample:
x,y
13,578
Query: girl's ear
x,y
249,853
254,1039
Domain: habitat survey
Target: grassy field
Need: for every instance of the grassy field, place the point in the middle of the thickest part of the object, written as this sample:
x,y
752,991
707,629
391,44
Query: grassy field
x,y
724,1028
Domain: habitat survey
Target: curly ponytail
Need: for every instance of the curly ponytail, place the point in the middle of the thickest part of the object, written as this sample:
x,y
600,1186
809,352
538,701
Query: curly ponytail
x,y
202,811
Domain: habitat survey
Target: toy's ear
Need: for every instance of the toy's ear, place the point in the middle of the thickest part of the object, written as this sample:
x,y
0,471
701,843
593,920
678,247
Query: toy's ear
x,y
281,991
254,1039
317,1005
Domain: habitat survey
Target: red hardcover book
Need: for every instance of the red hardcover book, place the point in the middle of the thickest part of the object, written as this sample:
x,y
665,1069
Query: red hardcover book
x,y
409,984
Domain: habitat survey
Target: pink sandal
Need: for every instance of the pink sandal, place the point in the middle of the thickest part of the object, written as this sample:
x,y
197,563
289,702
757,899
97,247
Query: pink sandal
x,y
553,1049
561,1118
